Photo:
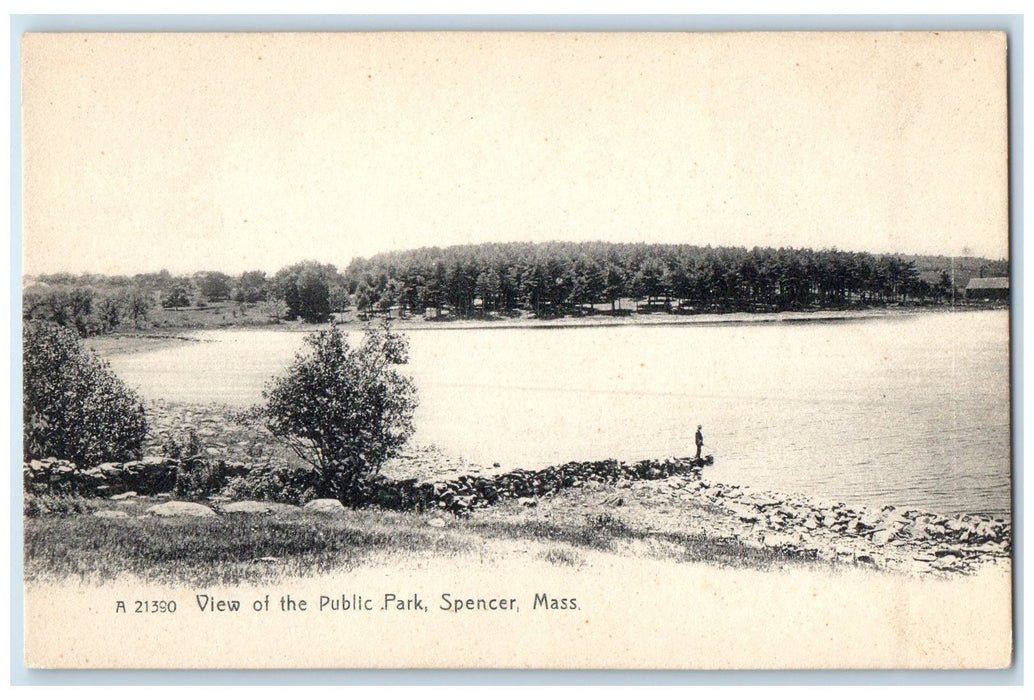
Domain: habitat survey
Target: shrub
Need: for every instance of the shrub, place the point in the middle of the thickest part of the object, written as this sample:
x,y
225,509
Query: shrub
x,y
344,410
36,505
276,483
198,478
184,445
178,296
74,408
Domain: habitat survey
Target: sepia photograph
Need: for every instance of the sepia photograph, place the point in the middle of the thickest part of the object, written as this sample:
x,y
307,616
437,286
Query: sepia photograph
x,y
516,350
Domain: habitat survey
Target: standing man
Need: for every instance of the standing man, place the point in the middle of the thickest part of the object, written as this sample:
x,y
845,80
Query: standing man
x,y
699,439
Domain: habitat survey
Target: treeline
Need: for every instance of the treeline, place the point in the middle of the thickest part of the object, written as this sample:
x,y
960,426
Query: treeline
x,y
558,278
545,279
94,304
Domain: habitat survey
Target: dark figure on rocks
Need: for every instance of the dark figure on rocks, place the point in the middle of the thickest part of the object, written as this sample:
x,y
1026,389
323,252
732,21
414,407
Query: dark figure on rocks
x,y
699,439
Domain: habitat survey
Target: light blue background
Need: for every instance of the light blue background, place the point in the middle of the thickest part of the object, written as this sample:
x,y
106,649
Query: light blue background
x,y
1011,24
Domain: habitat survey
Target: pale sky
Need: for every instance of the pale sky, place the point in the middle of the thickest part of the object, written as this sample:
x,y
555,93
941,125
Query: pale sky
x,y
254,151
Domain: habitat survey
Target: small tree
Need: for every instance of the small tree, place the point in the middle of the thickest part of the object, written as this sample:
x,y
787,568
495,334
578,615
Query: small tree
x,y
252,286
344,410
274,308
176,297
214,286
74,407
313,303
339,299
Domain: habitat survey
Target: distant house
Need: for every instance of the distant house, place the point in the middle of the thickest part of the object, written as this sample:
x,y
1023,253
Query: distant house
x,y
987,288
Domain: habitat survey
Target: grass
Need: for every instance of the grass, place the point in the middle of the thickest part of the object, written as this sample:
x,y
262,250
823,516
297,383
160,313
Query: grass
x,y
63,538
228,550
622,539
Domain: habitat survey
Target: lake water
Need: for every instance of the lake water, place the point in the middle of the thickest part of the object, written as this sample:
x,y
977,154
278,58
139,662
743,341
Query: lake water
x,y
910,410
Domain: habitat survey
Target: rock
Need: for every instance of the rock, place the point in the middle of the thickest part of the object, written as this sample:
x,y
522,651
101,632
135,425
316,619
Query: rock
x,y
124,496
325,505
249,507
870,521
779,540
935,531
527,502
744,513
436,522
111,514
984,530
181,508
882,537
949,561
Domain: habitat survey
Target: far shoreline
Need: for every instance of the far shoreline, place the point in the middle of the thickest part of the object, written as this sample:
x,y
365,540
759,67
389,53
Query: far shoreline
x,y
156,338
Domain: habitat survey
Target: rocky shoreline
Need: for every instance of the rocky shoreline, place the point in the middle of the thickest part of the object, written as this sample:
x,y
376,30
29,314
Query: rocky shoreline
x,y
911,541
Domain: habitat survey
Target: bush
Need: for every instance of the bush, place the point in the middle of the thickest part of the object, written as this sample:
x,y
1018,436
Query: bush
x,y
37,505
74,408
344,410
198,478
178,296
183,445
283,484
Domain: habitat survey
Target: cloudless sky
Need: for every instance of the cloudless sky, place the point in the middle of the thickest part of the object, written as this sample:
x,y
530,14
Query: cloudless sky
x,y
254,151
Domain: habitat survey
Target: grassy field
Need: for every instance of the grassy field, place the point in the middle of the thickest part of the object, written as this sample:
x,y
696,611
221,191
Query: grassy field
x,y
565,530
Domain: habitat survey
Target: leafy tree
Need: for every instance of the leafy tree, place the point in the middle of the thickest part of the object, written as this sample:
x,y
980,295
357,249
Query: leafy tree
x,y
214,286
344,409
313,301
176,296
305,288
275,309
137,305
251,287
339,299
110,312
81,303
363,297
74,407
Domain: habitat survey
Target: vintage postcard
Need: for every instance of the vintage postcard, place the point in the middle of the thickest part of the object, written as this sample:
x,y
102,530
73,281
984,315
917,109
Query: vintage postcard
x,y
516,350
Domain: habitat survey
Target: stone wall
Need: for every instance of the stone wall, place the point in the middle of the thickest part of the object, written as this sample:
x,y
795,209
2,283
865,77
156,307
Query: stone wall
x,y
155,475
464,493
148,476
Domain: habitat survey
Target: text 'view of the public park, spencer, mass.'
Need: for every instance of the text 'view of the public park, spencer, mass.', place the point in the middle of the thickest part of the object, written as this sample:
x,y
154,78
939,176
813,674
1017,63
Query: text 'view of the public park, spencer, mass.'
x,y
460,338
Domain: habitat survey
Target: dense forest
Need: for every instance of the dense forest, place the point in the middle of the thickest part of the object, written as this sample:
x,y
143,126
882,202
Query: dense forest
x,y
559,278
546,280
